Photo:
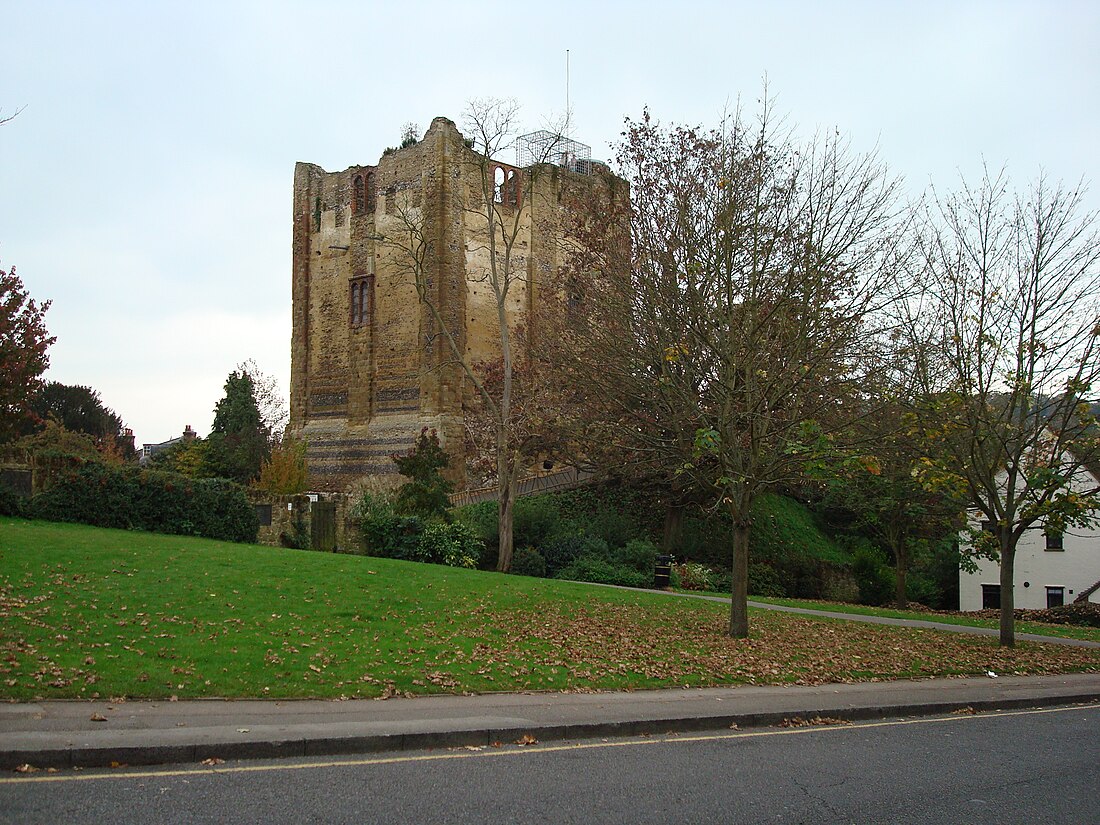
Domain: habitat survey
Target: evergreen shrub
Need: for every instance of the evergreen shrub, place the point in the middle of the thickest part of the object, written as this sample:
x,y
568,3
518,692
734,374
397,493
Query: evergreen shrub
x,y
131,498
637,554
562,551
593,568
873,576
765,581
527,561
11,503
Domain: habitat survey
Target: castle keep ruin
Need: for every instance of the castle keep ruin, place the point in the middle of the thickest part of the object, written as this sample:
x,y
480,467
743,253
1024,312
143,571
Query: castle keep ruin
x,y
368,369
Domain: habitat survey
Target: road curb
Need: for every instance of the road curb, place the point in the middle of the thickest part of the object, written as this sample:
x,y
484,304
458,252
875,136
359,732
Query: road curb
x,y
481,736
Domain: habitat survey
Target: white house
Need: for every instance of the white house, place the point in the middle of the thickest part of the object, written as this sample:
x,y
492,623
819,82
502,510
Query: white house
x,y
1051,569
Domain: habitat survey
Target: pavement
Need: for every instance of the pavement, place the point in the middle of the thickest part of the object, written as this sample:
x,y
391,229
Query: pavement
x,y
66,734
62,734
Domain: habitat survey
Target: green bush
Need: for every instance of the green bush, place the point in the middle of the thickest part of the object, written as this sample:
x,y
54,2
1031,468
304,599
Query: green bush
x,y
923,589
694,576
527,561
562,551
454,545
603,571
11,503
535,519
426,492
482,518
765,581
614,512
131,498
392,536
873,576
637,554
722,579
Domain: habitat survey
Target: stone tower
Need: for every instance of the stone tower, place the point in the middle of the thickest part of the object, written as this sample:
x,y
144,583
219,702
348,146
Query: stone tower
x,y
367,371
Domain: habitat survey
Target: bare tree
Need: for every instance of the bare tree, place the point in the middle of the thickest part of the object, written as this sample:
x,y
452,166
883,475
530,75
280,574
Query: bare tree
x,y
1007,346
498,212
10,117
727,338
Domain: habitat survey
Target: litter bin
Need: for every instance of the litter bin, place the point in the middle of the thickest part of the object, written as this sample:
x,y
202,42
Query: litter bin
x,y
662,572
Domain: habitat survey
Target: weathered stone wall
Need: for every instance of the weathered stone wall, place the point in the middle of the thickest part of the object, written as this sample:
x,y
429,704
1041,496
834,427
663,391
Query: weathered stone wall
x,y
367,374
286,510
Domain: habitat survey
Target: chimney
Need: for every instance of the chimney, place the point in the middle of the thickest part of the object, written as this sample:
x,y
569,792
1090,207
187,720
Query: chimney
x,y
188,433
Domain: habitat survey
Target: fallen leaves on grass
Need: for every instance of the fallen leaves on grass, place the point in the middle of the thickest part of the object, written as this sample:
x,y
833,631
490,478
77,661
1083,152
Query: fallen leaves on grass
x,y
303,638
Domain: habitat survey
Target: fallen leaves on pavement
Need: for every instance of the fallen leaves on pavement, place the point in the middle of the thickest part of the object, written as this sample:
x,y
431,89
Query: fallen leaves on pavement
x,y
800,722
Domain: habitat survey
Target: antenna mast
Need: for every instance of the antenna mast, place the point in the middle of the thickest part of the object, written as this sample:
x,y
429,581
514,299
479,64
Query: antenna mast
x,y
568,114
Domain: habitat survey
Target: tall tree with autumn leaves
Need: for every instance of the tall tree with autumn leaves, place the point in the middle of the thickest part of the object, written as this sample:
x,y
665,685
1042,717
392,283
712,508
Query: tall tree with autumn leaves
x,y
24,342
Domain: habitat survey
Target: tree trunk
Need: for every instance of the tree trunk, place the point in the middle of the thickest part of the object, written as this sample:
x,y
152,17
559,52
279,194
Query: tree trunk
x,y
674,524
505,500
901,573
739,592
1008,602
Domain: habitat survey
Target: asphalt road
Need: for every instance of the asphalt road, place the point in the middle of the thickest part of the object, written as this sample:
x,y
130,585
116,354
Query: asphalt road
x,y
1019,766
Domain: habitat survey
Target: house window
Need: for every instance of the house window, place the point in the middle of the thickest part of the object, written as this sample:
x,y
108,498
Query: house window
x,y
361,298
1056,596
1054,541
991,597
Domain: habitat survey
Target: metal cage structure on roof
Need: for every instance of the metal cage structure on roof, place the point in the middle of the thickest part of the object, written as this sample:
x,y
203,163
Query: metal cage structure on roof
x,y
549,147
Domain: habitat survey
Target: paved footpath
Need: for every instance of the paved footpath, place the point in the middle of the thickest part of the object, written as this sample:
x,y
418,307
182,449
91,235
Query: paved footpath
x,y
63,734
924,623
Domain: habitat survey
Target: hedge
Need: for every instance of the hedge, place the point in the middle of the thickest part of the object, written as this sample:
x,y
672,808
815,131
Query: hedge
x,y
131,498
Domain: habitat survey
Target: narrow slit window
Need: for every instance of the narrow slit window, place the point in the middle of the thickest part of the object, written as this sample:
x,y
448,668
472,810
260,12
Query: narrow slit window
x,y
359,195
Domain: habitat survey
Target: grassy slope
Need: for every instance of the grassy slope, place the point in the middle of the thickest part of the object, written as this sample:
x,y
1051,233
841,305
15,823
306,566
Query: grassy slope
x,y
785,527
87,612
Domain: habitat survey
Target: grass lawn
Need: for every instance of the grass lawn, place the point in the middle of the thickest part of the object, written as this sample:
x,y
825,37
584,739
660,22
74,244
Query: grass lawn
x,y
86,612
1091,634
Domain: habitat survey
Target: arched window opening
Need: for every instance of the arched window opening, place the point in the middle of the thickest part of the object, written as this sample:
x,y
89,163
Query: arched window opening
x,y
362,289
371,193
498,184
359,195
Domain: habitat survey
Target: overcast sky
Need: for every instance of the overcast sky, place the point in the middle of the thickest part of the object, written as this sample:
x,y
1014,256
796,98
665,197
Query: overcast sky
x,y
146,186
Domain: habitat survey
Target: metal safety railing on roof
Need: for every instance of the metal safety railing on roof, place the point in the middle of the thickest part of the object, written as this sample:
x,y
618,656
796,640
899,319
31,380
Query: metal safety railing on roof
x,y
550,147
